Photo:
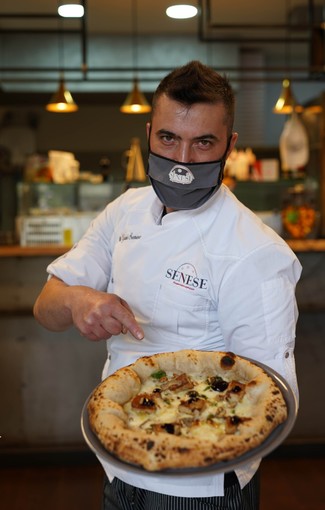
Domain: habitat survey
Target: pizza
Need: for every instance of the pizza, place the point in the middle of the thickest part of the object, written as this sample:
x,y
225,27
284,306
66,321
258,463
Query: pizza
x,y
185,409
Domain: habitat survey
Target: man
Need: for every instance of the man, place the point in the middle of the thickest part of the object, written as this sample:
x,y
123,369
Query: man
x,y
180,264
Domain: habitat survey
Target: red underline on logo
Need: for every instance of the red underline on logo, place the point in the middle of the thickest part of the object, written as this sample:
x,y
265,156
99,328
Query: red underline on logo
x,y
185,286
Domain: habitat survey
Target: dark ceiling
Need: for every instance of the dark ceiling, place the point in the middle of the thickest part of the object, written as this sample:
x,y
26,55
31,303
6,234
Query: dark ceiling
x,y
246,24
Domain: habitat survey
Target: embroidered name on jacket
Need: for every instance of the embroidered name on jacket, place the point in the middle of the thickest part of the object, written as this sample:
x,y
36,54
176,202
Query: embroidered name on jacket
x,y
128,237
186,276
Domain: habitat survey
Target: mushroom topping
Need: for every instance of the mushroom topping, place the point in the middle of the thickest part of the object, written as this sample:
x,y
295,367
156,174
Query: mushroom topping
x,y
193,405
235,393
144,402
170,428
178,383
232,423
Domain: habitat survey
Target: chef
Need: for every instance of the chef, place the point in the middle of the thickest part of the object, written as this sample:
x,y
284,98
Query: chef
x,y
180,264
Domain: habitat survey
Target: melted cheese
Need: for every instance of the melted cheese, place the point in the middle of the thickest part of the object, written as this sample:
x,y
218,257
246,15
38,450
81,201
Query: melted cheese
x,y
208,423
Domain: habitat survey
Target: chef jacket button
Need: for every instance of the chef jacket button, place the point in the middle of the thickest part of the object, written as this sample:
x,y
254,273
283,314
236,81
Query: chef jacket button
x,y
286,355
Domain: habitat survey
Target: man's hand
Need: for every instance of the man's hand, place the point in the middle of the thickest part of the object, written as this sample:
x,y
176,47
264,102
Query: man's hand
x,y
97,315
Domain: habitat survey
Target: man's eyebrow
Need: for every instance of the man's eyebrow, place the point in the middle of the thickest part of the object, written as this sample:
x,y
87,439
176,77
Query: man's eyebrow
x,y
166,132
208,136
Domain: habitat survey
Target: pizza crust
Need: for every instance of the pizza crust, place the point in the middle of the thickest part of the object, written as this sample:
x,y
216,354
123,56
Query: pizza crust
x,y
156,451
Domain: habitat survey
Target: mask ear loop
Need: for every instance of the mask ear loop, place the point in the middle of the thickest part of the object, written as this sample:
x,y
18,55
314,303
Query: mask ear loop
x,y
149,150
223,162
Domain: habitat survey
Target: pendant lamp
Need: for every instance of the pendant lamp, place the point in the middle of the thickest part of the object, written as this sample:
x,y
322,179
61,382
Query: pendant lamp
x,y
135,101
286,102
62,100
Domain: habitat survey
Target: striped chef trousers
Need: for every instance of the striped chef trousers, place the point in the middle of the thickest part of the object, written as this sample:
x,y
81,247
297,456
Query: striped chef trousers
x,y
121,496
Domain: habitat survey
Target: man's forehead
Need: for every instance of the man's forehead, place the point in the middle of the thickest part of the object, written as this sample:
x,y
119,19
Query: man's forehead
x,y
165,106
200,118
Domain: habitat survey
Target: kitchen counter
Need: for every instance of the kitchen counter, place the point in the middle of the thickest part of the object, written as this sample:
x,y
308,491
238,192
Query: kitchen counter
x,y
33,251
297,245
305,245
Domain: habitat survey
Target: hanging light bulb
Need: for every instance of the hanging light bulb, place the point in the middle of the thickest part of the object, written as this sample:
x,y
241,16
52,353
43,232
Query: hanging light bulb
x,y
62,100
135,101
286,102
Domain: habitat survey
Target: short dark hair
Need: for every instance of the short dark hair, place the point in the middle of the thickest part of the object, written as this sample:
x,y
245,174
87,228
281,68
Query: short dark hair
x,y
198,83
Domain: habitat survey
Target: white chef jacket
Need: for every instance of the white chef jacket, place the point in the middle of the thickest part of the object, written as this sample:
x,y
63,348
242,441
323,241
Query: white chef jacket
x,y
213,278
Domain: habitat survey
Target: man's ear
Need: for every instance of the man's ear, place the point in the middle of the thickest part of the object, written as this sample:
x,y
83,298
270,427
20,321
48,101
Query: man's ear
x,y
234,138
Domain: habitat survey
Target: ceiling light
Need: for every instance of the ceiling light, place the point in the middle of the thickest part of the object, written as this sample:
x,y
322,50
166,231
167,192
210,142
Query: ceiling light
x,y
72,10
181,11
135,101
286,102
62,101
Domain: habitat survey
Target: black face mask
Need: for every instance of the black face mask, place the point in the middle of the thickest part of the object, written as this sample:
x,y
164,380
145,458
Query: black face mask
x,y
185,185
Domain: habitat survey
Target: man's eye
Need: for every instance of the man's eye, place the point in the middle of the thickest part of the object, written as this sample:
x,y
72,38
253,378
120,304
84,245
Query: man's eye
x,y
205,143
167,138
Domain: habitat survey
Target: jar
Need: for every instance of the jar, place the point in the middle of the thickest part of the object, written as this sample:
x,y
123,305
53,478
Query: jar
x,y
300,218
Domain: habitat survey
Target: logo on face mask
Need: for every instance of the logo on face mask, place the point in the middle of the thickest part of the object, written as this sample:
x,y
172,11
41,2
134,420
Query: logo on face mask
x,y
181,175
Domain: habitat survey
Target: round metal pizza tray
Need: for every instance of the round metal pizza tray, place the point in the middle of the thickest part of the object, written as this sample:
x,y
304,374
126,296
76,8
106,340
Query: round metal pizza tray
x,y
277,437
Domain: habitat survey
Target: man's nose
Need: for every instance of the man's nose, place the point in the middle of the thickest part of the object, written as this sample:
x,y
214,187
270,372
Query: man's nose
x,y
185,153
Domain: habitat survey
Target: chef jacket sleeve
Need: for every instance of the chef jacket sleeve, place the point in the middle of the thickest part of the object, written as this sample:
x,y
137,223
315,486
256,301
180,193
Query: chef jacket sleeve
x,y
89,261
258,310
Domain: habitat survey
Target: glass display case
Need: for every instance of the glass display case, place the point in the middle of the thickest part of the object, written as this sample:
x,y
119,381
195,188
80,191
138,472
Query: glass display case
x,y
49,213
49,198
